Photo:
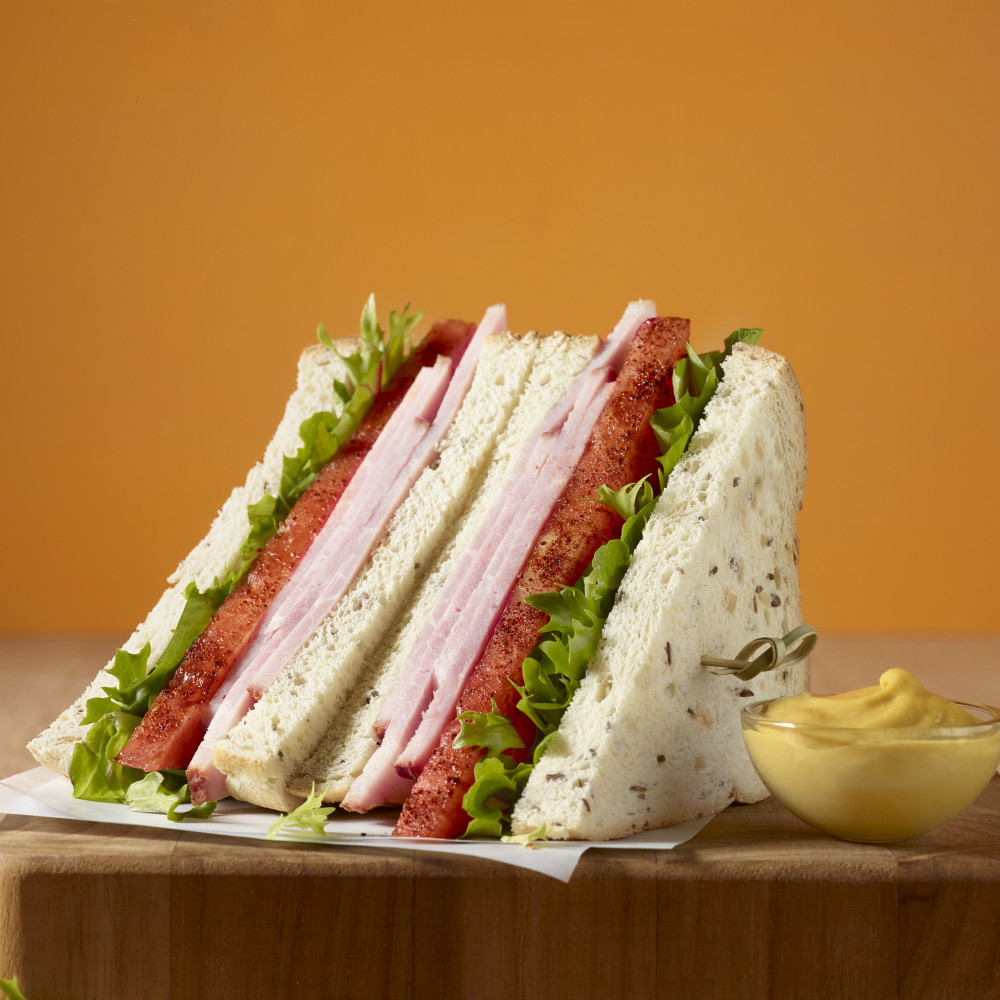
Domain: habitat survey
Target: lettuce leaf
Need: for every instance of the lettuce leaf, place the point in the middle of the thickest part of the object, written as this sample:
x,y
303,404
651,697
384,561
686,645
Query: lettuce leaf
x,y
371,367
310,816
498,779
491,730
695,380
137,685
165,792
9,989
556,667
93,770
527,839
497,787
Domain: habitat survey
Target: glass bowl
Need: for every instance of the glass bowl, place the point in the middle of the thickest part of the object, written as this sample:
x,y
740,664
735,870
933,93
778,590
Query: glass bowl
x,y
873,785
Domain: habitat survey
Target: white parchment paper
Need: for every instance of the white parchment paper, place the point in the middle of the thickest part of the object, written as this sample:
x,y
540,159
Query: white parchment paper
x,y
41,793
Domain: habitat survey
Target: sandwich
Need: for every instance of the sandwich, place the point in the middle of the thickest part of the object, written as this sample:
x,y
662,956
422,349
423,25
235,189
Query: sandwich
x,y
479,575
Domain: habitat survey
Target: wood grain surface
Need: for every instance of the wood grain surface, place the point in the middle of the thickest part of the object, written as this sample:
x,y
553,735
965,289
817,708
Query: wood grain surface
x,y
757,905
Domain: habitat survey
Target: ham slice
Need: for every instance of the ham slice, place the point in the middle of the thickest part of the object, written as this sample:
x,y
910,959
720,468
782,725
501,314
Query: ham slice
x,y
338,552
423,699
409,444
622,449
454,640
175,723
348,537
526,494
489,597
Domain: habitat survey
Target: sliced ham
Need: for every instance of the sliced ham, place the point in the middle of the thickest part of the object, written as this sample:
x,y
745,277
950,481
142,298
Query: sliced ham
x,y
527,469
488,599
175,723
423,699
336,555
526,494
347,539
454,639
622,449
409,444
343,546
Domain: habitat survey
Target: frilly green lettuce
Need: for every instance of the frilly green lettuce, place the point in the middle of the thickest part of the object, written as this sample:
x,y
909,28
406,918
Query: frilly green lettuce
x,y
310,816
527,839
95,773
165,792
9,988
499,780
695,380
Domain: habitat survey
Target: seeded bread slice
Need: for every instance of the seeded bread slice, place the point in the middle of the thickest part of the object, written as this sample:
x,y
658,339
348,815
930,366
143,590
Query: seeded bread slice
x,y
265,753
216,553
652,738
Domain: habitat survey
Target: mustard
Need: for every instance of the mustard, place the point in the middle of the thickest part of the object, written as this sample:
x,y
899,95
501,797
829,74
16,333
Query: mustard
x,y
899,700
882,763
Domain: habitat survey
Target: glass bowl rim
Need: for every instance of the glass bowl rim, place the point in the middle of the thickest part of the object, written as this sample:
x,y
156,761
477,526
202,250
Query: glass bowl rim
x,y
982,727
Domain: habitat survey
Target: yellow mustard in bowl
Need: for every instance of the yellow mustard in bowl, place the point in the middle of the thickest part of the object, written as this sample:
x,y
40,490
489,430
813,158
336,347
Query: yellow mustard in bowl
x,y
880,764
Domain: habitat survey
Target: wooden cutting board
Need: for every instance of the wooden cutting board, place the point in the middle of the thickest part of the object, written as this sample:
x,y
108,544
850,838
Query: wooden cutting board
x,y
757,905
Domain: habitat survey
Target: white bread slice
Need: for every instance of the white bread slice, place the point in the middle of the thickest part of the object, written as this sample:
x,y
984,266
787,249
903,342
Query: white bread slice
x,y
217,552
350,741
266,751
652,738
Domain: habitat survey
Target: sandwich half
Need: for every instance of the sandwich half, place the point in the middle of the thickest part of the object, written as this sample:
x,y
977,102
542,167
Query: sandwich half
x,y
614,682
431,593
652,738
393,629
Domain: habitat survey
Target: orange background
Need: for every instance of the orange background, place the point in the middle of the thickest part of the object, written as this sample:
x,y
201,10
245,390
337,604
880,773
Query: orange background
x,y
189,187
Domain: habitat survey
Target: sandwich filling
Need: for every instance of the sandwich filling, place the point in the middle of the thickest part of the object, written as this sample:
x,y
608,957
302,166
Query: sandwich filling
x,y
408,445
494,745
109,764
422,701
